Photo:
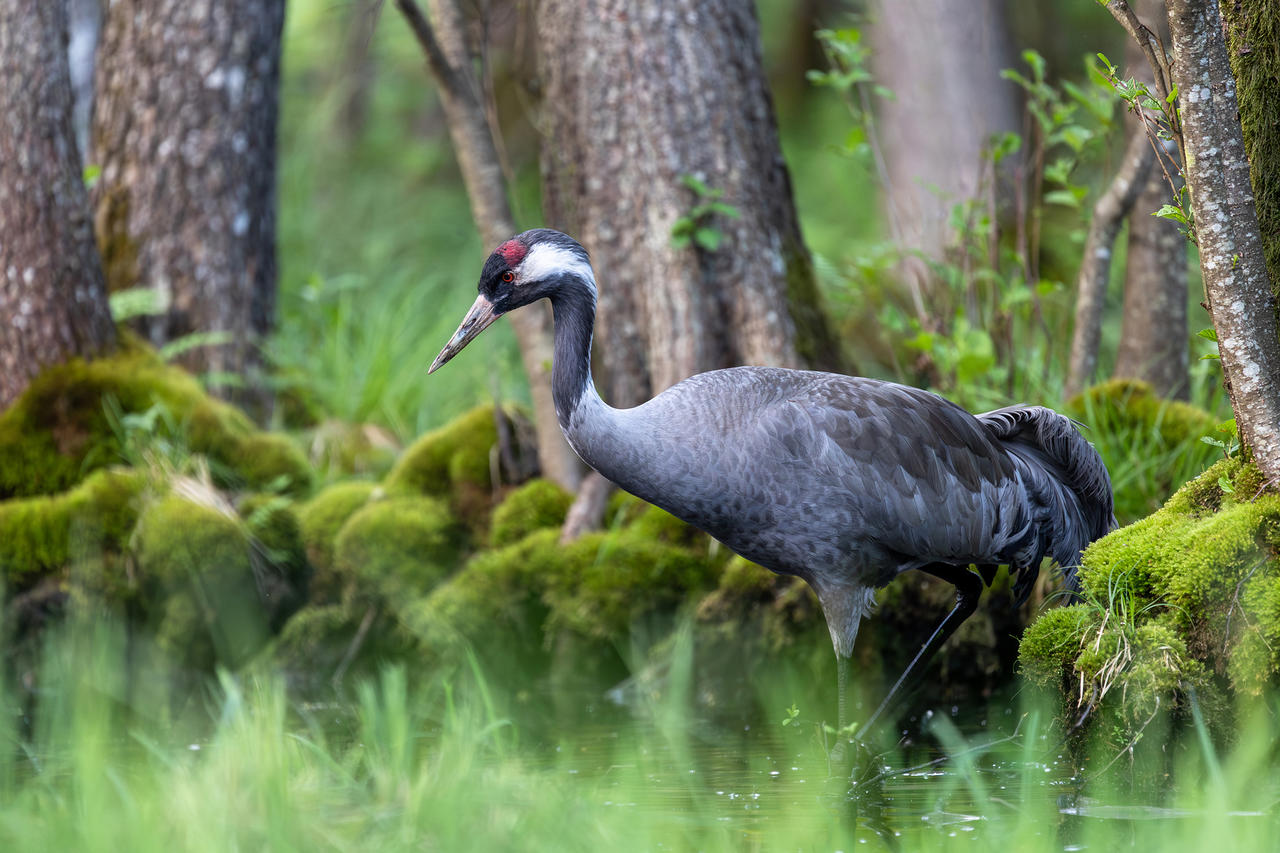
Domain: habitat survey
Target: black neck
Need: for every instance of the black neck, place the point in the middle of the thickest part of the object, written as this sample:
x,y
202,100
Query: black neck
x,y
574,306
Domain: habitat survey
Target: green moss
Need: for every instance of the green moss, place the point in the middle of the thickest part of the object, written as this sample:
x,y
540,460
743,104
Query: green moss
x,y
1177,603
42,535
343,449
321,518
455,453
397,547
285,572
1131,401
63,426
272,460
752,604
198,560
493,605
464,461
320,643
1253,31
536,505
1051,644
608,580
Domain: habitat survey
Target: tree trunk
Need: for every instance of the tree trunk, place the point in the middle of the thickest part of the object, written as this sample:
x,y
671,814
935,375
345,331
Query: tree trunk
x,y
1153,339
185,134
942,60
636,98
1095,265
53,304
450,64
1226,227
1253,39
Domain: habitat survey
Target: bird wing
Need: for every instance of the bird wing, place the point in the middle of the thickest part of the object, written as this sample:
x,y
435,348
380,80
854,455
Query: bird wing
x,y
921,477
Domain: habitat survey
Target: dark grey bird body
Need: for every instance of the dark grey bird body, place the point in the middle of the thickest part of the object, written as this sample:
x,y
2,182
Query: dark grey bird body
x,y
846,482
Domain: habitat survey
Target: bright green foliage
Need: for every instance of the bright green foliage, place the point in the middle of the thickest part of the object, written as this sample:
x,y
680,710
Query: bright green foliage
x,y
60,428
396,548
42,535
322,517
199,562
1190,591
536,505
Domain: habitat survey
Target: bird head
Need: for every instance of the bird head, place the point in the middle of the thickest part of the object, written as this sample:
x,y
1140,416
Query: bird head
x,y
530,266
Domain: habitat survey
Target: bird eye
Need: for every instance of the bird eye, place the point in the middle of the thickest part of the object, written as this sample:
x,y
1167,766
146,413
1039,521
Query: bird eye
x,y
508,276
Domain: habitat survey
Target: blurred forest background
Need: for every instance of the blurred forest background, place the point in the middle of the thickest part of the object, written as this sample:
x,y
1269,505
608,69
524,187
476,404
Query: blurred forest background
x,y
226,482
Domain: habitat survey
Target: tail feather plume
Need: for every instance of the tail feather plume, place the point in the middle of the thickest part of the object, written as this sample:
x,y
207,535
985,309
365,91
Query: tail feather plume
x,y
1066,481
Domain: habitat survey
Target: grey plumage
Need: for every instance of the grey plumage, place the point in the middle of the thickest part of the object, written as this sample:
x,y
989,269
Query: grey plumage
x,y
846,482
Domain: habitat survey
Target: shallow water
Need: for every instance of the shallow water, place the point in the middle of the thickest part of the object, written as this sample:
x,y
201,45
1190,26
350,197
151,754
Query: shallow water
x,y
754,781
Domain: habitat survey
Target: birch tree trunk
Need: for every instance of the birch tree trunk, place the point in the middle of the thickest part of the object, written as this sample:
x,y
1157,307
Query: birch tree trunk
x,y
185,135
1226,225
53,304
636,98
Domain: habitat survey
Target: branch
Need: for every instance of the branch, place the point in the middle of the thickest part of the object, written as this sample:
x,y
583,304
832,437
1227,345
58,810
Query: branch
x,y
445,74
1146,40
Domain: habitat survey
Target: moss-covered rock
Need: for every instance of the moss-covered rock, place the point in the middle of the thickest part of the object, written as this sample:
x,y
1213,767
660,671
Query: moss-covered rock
x,y
1154,443
466,461
320,520
198,559
283,571
323,645
1184,601
536,505
1136,402
608,580
71,420
343,449
42,536
397,548
493,605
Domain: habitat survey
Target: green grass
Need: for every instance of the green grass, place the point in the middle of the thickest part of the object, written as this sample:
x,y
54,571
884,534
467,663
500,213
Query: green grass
x,y
378,253
435,764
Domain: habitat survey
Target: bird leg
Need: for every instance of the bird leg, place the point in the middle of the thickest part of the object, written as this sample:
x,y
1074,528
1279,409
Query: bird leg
x,y
968,590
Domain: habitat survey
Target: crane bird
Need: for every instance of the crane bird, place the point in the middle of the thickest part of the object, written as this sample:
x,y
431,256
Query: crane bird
x,y
843,481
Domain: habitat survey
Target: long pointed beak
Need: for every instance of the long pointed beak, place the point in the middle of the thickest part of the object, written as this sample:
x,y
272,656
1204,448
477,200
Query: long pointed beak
x,y
477,320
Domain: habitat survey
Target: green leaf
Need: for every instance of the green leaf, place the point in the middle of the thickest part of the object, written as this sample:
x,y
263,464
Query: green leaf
x,y
136,302
1168,211
1068,198
1209,334
186,343
1225,485
91,174
708,238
